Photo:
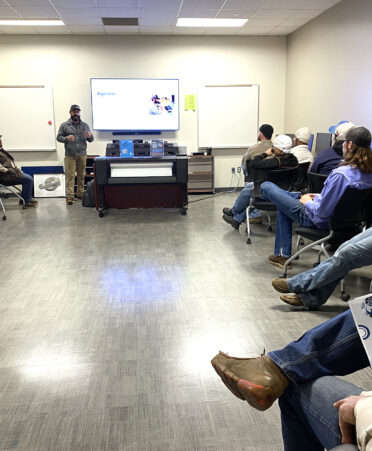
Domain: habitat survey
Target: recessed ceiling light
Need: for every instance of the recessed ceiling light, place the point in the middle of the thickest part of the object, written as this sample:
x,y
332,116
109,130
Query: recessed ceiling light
x,y
183,22
31,22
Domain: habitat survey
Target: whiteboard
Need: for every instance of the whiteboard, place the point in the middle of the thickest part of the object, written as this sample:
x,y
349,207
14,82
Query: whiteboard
x,y
27,118
228,116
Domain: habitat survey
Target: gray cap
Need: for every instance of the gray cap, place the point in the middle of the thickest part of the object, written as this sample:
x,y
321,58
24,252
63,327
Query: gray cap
x,y
360,136
75,107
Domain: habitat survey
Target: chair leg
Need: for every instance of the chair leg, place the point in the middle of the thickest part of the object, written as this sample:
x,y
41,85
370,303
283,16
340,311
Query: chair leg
x,y
269,228
3,208
344,296
248,225
16,192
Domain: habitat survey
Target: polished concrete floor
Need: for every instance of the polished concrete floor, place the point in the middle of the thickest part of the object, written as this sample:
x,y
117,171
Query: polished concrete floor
x,y
107,327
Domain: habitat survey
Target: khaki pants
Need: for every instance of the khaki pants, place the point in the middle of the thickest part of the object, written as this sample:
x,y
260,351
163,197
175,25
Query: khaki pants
x,y
75,164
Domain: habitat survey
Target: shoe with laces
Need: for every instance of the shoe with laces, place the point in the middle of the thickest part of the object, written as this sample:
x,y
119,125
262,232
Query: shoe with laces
x,y
281,285
69,201
227,211
230,220
258,381
279,261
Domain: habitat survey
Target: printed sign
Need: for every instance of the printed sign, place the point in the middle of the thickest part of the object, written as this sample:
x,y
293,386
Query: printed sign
x,y
361,308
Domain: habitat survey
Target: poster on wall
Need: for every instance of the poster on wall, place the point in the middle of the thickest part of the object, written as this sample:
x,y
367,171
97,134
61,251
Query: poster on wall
x,y
49,185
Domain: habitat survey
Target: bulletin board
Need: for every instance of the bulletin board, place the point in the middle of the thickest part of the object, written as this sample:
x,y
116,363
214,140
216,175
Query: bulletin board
x,y
228,115
27,118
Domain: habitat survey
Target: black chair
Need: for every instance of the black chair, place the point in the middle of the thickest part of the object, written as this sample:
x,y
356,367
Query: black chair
x,y
10,188
315,182
284,178
348,219
323,141
301,182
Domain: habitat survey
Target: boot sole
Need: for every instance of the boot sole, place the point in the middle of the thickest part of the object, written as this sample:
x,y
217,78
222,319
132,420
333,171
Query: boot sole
x,y
257,396
279,265
279,289
293,303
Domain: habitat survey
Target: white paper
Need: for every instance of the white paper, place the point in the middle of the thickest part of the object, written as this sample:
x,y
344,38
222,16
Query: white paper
x,y
141,169
361,309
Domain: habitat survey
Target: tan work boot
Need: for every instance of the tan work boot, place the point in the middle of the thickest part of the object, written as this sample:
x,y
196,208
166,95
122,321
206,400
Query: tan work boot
x,y
280,285
255,220
279,261
258,381
292,299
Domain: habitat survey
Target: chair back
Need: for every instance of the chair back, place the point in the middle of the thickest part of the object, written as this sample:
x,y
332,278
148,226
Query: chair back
x,y
323,141
315,182
352,211
301,180
284,178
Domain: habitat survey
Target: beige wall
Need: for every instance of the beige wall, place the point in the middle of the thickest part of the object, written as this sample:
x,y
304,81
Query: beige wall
x,y
67,62
329,68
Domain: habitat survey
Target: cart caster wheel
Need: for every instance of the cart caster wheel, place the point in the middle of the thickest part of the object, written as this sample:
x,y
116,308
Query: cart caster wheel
x,y
101,214
345,297
248,241
4,218
301,242
269,229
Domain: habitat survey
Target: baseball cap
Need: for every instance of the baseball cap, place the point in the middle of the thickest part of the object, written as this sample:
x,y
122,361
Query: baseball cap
x,y
360,136
75,107
283,142
342,129
267,130
303,134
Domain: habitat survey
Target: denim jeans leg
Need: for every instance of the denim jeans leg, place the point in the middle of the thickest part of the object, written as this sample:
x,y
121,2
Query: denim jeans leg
x,y
316,285
241,205
309,420
289,208
332,348
27,184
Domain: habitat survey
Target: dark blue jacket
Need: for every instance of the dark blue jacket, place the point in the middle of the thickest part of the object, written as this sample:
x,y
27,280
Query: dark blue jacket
x,y
326,161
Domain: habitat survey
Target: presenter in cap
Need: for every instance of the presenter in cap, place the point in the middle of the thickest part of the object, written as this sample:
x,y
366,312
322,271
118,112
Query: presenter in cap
x,y
75,133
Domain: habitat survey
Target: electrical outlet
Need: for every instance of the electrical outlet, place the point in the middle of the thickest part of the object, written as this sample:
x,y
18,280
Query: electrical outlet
x,y
238,169
233,170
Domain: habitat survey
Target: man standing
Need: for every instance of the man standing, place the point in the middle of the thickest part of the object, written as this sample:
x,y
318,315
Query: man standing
x,y
75,133
10,174
265,133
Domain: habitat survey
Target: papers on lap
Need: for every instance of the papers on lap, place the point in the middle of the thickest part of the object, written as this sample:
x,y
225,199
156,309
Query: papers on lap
x,y
361,308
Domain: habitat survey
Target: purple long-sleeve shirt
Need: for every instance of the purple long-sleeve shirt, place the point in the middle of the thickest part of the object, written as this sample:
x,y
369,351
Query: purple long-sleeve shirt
x,y
322,207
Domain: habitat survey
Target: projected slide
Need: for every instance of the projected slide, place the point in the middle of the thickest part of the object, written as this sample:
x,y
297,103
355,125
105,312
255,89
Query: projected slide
x,y
135,104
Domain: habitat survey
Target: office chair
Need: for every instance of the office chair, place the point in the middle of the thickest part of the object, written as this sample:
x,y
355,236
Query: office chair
x,y
301,181
13,190
342,227
315,182
284,178
323,141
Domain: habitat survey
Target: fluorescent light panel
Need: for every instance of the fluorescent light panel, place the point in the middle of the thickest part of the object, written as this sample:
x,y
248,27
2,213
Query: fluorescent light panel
x,y
216,23
30,22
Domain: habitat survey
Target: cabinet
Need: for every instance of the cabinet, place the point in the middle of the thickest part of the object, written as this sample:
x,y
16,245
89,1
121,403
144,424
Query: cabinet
x,y
201,174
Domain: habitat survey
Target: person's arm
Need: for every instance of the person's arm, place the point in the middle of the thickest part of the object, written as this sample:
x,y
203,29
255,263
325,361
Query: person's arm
x,y
323,204
262,162
88,134
363,416
61,134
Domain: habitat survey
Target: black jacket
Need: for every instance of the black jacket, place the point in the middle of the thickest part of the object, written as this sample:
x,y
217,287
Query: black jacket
x,y
282,161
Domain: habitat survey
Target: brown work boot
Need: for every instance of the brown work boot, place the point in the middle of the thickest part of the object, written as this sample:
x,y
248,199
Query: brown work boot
x,y
281,285
278,260
29,204
255,220
292,299
258,381
69,201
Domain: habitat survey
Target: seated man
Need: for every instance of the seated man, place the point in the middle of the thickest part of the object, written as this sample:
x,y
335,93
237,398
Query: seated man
x,y
314,210
282,158
315,286
301,149
329,159
265,133
11,175
318,410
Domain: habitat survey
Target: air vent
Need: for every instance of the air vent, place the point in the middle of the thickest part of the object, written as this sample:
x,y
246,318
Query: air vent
x,y
120,21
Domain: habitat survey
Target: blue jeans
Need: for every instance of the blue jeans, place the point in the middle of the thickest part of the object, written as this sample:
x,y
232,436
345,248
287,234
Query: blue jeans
x,y
27,184
332,348
241,205
309,420
316,285
289,209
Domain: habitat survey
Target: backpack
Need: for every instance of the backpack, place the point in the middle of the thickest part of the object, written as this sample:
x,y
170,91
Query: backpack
x,y
89,197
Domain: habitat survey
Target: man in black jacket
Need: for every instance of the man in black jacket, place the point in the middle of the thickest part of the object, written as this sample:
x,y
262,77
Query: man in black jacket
x,y
282,158
10,174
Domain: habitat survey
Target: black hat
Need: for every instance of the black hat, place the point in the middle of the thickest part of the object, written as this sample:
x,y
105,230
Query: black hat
x,y
75,107
360,136
267,130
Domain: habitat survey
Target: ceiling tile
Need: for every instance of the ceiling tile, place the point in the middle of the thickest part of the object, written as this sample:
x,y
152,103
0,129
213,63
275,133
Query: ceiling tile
x,y
154,21
275,14
84,21
156,30
157,13
188,31
52,30
220,31
254,30
306,13
121,30
201,13
32,3
7,13
37,12
160,4
87,29
251,5
282,30
235,14
300,4
204,4
74,3
117,3
293,22
262,23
